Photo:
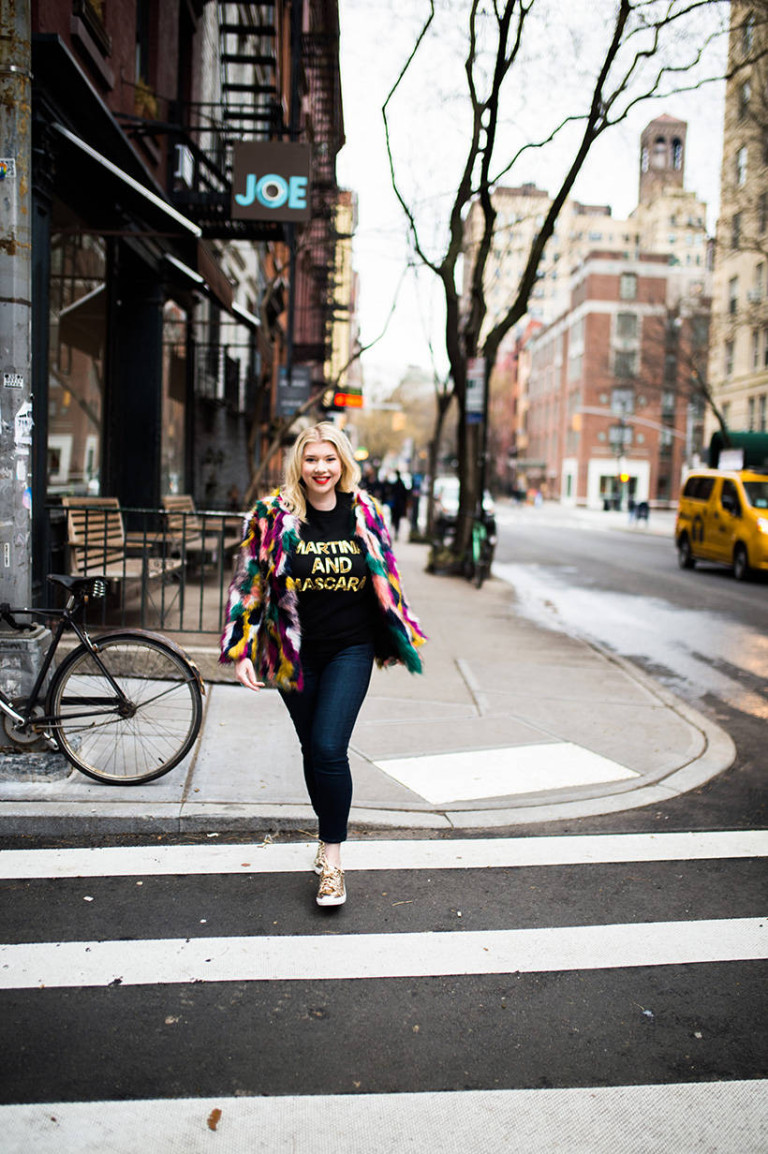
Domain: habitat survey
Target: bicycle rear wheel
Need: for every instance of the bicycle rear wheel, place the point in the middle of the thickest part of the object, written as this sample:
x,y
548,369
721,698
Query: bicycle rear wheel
x,y
130,715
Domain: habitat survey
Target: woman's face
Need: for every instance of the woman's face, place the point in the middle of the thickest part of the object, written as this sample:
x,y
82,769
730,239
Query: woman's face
x,y
320,468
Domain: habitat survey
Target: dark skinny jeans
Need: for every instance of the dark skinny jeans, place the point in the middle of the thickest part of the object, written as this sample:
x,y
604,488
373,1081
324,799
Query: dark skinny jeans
x,y
324,715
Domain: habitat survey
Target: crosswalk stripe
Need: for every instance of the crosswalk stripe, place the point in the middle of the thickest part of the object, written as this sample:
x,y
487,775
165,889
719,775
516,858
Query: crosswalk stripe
x,y
346,956
730,1117
383,855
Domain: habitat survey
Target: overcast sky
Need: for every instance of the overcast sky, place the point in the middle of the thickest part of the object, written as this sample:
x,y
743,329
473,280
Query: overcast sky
x,y
426,126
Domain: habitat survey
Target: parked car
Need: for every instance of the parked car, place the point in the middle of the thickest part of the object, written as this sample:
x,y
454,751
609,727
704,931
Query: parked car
x,y
446,493
723,517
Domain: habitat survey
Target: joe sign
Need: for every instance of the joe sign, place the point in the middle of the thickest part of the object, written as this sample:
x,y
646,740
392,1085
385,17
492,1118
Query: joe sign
x,y
270,181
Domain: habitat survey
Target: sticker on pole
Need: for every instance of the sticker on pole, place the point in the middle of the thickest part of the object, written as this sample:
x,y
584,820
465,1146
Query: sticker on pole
x,y
13,381
23,425
7,168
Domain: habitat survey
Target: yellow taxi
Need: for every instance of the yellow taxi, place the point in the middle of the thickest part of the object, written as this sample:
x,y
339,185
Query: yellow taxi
x,y
723,517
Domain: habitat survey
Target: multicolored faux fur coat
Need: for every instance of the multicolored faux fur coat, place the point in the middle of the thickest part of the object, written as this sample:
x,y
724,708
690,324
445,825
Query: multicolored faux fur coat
x,y
263,608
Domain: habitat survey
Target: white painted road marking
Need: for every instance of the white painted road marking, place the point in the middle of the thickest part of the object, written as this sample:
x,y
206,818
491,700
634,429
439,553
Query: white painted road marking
x,y
297,857
687,1118
471,774
346,956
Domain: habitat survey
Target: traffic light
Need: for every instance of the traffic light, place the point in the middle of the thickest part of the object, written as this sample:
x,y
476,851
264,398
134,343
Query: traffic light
x,y
335,400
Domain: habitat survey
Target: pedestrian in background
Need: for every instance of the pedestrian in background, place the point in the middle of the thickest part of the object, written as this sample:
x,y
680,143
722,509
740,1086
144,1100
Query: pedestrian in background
x,y
315,599
398,502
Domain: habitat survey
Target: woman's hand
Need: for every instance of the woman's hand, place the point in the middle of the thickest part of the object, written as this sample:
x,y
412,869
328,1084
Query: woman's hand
x,y
246,674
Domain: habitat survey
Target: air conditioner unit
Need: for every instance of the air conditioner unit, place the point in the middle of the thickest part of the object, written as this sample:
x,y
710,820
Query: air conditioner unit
x,y
185,165
755,296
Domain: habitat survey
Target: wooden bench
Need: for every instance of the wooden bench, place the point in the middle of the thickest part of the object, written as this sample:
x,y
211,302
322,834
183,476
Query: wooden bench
x,y
194,532
98,543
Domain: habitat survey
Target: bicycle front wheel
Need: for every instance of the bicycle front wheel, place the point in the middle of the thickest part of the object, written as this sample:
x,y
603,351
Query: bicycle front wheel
x,y
128,714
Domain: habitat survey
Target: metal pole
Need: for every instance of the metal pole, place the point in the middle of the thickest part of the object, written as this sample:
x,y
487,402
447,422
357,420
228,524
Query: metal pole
x,y
484,438
20,656
297,26
15,303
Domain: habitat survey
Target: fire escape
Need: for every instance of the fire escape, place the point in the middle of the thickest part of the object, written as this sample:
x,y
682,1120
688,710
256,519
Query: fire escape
x,y
324,131
248,106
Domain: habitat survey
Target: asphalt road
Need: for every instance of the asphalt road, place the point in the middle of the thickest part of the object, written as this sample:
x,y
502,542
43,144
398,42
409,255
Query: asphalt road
x,y
606,993
177,1001
700,631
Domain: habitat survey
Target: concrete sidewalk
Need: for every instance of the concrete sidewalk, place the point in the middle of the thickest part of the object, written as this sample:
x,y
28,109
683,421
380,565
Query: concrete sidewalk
x,y
511,724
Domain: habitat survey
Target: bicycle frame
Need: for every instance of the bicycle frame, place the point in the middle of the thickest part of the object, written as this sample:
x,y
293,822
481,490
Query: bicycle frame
x,y
65,622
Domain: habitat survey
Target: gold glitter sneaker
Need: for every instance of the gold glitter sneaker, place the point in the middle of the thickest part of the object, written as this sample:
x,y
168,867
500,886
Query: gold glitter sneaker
x,y
332,891
321,861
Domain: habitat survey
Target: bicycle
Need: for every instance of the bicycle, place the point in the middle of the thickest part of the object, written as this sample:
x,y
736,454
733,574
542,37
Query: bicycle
x,y
481,550
124,707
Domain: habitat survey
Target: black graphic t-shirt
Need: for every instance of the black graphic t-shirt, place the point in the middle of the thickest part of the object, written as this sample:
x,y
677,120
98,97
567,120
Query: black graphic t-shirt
x,y
332,581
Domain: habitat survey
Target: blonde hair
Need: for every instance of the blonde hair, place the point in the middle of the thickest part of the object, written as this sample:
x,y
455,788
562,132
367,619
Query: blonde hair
x,y
292,491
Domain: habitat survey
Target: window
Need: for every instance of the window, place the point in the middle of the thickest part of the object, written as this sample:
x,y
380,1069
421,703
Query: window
x,y
765,348
677,154
620,435
761,418
728,358
628,286
759,280
751,414
741,166
762,212
745,93
575,367
659,159
729,498
748,33
78,342
736,230
665,443
699,331
733,295
699,488
626,325
625,363
622,402
755,348
670,367
668,403
142,41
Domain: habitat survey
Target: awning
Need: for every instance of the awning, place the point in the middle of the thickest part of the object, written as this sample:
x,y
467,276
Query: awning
x,y
135,195
214,287
243,315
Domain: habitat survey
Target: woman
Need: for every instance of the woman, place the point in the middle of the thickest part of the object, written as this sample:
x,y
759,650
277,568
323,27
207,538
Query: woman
x,y
315,599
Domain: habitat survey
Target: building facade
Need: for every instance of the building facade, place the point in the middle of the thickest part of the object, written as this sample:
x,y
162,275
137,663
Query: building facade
x,y
738,366
160,318
546,447
610,413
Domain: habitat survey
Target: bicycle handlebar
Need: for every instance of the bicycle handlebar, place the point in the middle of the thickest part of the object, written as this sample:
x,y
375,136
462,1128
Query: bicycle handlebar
x,y
6,615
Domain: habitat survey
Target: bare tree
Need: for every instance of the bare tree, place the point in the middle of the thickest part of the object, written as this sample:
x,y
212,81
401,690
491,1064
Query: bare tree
x,y
650,49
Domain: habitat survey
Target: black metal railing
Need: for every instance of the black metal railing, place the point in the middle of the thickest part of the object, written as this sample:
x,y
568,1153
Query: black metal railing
x,y
168,569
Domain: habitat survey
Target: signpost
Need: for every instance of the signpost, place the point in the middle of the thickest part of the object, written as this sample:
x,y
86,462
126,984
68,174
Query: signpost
x,y
292,393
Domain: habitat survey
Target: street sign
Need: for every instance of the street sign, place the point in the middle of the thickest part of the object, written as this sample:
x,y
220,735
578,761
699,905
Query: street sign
x,y
475,398
271,181
292,394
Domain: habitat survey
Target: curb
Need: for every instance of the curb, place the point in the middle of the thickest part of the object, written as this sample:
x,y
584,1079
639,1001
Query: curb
x,y
57,819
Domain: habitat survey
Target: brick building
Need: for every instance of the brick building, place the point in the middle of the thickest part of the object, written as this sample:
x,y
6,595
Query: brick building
x,y
610,412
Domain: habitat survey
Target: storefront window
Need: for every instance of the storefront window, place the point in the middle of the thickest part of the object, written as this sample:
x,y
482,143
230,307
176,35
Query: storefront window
x,y
174,396
78,325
